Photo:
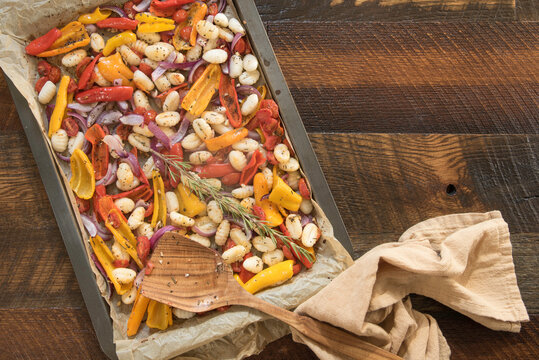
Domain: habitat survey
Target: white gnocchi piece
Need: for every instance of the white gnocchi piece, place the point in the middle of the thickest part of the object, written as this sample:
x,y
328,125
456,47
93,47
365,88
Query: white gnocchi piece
x,y
221,236
151,63
291,165
264,244
215,183
168,118
213,117
249,77
222,128
234,254
145,229
311,234
226,34
237,160
194,53
268,175
148,167
73,58
172,201
175,78
203,129
144,131
243,192
215,56
281,153
142,81
47,93
129,297
124,276
139,46
139,141
250,62
180,58
75,142
221,20
248,203
293,179
253,264
182,314
112,152
129,186
59,140
235,26
191,142
214,212
162,84
306,206
119,252
150,38
199,157
181,220
207,29
97,43
169,131
141,100
249,105
239,237
236,66
210,45
129,56
126,205
274,257
136,218
99,79
246,145
293,225
125,176
202,240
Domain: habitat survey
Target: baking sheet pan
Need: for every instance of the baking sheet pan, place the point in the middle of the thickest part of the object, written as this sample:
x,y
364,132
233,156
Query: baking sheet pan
x,y
64,213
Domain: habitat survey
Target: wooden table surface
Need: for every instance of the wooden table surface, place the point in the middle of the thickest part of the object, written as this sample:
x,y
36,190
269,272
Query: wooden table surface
x,y
415,108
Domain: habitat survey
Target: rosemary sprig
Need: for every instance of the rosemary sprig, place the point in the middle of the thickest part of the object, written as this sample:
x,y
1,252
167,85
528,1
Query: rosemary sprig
x,y
204,189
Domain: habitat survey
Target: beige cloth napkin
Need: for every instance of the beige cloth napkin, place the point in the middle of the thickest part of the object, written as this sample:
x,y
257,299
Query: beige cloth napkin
x,y
463,261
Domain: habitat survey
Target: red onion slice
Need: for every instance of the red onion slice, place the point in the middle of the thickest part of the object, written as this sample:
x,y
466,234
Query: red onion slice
x,y
306,219
225,67
182,131
160,135
89,225
142,203
123,106
115,9
241,223
110,176
237,38
132,161
132,119
143,6
90,28
254,135
139,278
180,66
109,117
80,120
222,6
159,233
248,89
193,69
95,112
115,144
158,72
80,107
201,232
64,158
158,162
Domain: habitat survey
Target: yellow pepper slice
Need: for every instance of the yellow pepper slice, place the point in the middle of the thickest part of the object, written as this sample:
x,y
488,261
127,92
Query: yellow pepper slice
x,y
60,106
284,196
159,315
261,188
229,138
112,67
271,276
123,235
105,257
74,35
246,119
82,175
190,204
147,18
159,200
137,313
196,13
202,91
123,38
92,18
155,27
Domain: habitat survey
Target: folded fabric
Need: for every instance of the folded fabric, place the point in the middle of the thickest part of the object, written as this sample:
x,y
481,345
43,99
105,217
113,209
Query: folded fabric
x,y
463,261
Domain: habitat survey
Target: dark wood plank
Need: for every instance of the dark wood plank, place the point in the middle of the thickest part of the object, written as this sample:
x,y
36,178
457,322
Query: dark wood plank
x,y
527,10
10,119
412,78
387,10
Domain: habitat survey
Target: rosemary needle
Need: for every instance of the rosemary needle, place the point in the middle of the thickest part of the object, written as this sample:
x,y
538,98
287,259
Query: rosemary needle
x,y
204,189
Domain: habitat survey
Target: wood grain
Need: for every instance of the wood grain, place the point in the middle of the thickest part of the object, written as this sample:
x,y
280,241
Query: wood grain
x,y
412,78
388,10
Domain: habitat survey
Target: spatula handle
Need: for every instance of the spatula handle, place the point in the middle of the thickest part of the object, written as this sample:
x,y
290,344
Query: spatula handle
x,y
323,333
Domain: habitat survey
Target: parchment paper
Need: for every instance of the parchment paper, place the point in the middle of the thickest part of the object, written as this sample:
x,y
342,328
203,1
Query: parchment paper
x,y
234,334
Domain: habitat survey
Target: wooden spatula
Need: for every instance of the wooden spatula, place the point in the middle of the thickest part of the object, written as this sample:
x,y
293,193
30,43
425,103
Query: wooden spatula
x,y
194,278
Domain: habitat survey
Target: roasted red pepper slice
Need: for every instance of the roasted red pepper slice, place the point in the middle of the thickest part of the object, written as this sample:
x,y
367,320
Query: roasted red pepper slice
x,y
261,116
143,248
272,159
259,212
82,65
231,179
118,23
287,253
296,268
100,150
97,94
163,5
250,170
302,258
143,192
43,43
304,189
177,151
123,131
272,106
104,205
246,275
229,99
83,205
164,95
284,230
88,72
149,210
215,170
